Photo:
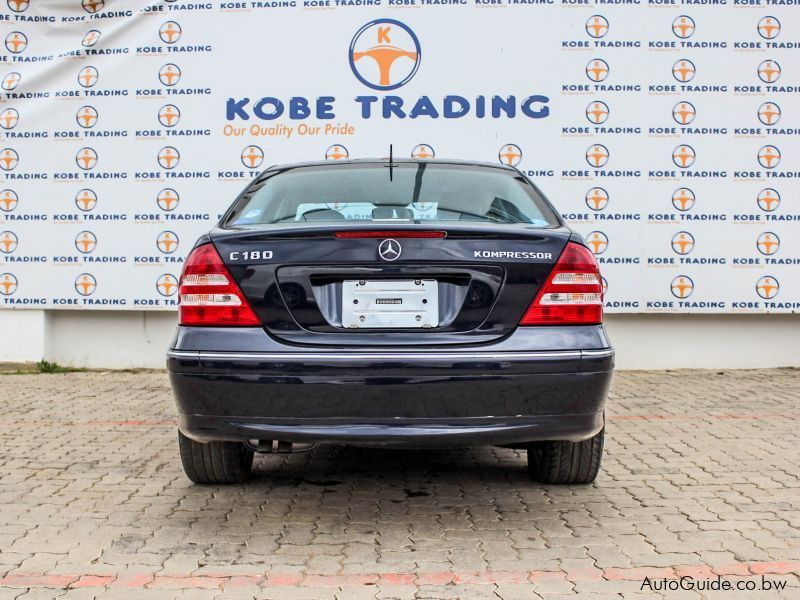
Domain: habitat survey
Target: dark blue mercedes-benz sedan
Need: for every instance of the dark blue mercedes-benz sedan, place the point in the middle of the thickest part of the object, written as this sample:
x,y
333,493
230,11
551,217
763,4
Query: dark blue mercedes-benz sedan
x,y
417,303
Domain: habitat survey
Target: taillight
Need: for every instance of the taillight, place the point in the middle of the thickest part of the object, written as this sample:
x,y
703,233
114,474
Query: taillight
x,y
208,294
572,294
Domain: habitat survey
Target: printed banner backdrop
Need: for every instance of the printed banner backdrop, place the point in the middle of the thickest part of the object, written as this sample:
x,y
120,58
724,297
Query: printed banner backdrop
x,y
665,131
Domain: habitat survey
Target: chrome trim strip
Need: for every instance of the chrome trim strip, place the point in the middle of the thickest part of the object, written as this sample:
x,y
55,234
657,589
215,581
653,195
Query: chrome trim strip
x,y
598,353
348,356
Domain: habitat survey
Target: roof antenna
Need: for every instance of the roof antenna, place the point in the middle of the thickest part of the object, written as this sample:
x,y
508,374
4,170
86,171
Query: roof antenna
x,y
391,162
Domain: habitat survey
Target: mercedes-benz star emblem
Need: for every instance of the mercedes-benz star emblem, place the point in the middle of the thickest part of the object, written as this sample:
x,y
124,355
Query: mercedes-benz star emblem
x,y
389,249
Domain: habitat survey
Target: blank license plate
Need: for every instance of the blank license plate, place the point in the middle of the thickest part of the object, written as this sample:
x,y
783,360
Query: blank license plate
x,y
391,304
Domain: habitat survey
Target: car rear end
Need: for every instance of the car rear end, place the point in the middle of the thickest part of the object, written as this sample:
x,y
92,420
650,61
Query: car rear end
x,y
414,303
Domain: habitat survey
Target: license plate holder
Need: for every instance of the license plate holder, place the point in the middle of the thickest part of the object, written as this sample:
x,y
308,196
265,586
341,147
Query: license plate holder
x,y
390,304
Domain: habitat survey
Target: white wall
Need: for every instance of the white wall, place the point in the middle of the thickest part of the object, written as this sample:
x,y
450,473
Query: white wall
x,y
22,335
109,339
117,340
705,341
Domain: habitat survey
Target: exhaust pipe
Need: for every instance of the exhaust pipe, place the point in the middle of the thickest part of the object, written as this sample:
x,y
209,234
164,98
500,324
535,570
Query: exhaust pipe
x,y
280,446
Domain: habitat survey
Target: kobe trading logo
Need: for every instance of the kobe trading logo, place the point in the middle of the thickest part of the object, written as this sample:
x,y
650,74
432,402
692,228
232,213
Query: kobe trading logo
x,y
423,151
598,242
18,5
252,157
336,152
8,284
167,242
767,287
597,198
85,284
9,200
85,200
768,199
167,285
510,154
682,286
384,54
768,243
683,199
683,242
86,242
9,118
8,242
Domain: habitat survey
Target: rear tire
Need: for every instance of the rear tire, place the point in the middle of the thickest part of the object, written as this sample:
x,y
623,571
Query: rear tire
x,y
215,462
566,462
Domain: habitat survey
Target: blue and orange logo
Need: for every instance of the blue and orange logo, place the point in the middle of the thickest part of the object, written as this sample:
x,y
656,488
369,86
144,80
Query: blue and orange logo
x,y
85,284
169,74
769,28
90,38
9,159
87,116
684,156
769,157
16,42
597,26
768,199
767,287
169,32
8,242
11,81
168,199
423,151
597,112
167,285
597,198
682,242
167,242
88,76
769,71
768,243
8,200
9,118
510,154
385,54
169,115
85,200
86,158
252,157
597,155
18,5
683,26
769,113
684,112
336,152
93,6
597,69
683,199
8,284
683,70
169,157
682,286
86,242
597,242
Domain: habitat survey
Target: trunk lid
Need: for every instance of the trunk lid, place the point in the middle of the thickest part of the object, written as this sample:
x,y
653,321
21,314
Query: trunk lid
x,y
295,277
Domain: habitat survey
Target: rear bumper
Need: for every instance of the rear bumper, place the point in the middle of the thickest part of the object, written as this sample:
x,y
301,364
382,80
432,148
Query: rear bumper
x,y
411,397
439,433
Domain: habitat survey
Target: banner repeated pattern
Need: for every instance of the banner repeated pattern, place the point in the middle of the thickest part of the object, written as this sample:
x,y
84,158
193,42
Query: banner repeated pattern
x,y
667,132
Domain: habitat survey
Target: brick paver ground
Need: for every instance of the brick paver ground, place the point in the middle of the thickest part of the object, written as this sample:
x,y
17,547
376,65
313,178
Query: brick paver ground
x,y
700,478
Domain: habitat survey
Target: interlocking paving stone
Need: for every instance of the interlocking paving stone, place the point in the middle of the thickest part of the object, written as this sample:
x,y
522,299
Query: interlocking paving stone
x,y
700,478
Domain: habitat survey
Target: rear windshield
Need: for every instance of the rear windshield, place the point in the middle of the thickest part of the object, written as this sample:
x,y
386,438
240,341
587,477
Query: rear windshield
x,y
405,192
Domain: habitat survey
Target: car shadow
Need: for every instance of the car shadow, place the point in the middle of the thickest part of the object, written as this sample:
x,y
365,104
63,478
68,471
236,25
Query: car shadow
x,y
346,466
